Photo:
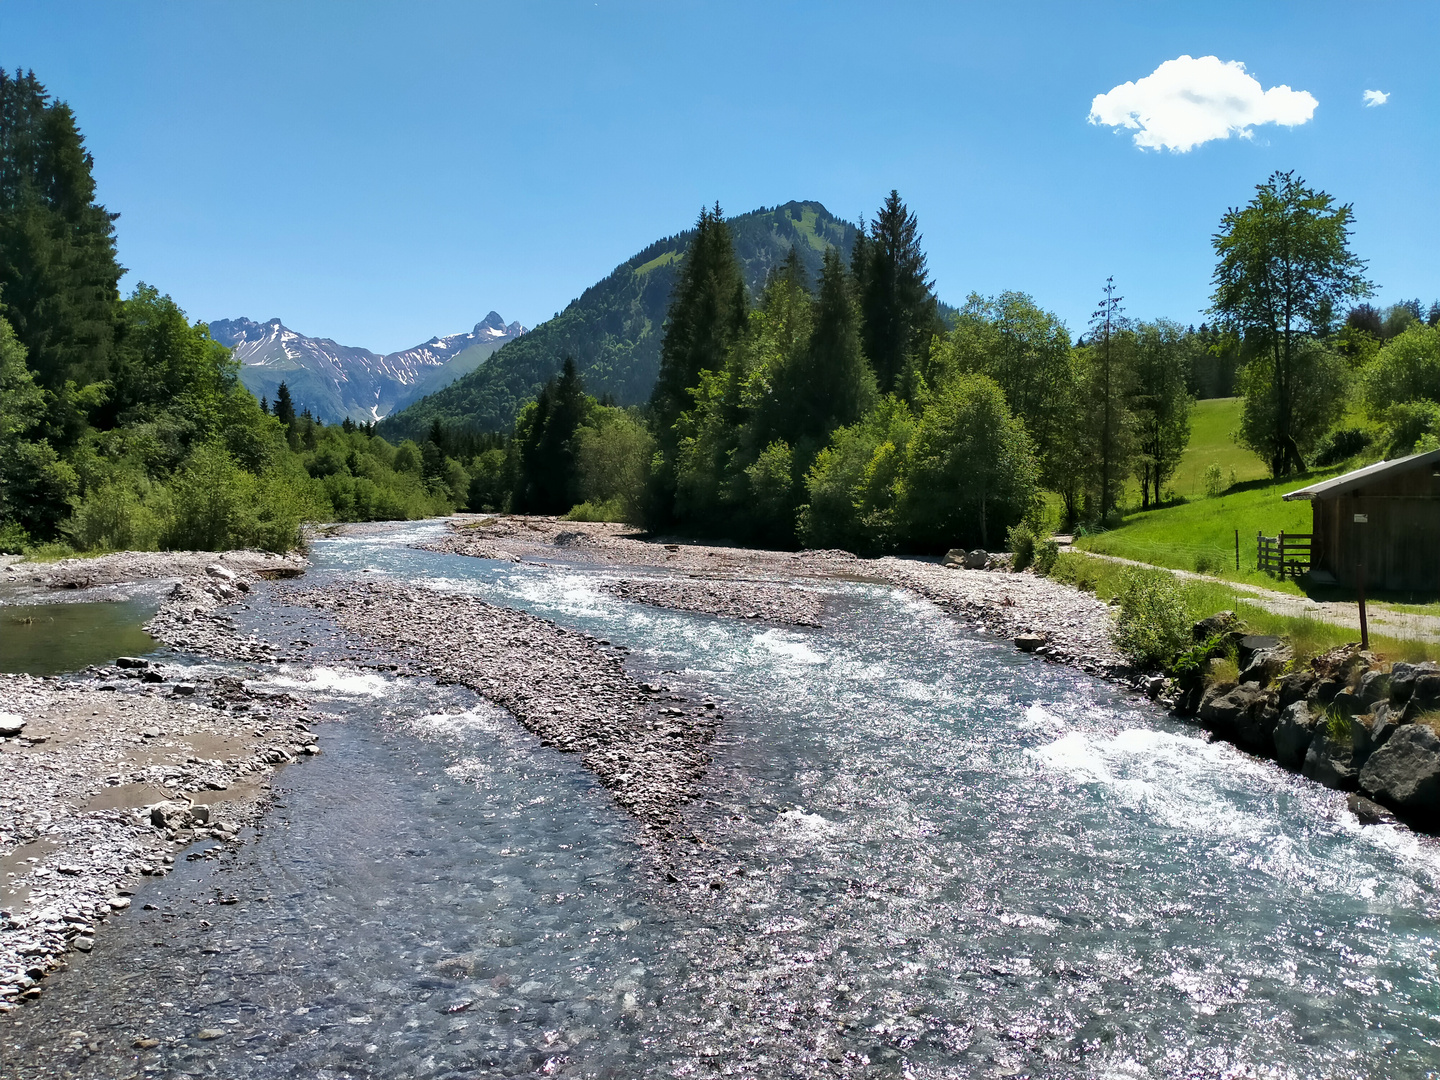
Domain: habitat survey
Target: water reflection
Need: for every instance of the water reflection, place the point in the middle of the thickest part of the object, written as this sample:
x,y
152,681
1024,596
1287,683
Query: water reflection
x,y
46,639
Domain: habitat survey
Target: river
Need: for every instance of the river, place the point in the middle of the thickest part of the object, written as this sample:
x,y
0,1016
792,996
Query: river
x,y
926,855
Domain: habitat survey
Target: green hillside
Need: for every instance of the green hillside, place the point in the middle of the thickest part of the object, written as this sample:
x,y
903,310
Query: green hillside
x,y
613,330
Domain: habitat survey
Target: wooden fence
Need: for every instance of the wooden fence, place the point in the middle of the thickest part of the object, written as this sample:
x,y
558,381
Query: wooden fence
x,y
1288,553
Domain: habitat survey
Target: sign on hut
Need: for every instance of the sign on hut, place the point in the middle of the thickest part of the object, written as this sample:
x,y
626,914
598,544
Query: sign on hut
x,y
1384,518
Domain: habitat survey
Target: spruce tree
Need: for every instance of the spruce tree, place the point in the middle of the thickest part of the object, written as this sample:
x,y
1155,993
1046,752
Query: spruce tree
x,y
841,386
58,269
284,407
706,317
897,300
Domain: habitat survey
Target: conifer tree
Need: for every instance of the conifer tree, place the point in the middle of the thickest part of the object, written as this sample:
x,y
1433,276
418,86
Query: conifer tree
x,y
897,300
706,317
284,406
58,268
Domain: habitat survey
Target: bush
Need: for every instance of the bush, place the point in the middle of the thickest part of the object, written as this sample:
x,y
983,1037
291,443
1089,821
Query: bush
x,y
1340,445
1214,480
1207,562
1020,540
1046,553
1151,626
608,510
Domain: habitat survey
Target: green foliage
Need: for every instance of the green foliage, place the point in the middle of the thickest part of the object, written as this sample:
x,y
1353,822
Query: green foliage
x,y
970,469
1190,664
603,510
1406,369
613,454
1160,404
853,488
1341,444
1020,541
1284,265
899,315
1047,553
1214,480
1151,625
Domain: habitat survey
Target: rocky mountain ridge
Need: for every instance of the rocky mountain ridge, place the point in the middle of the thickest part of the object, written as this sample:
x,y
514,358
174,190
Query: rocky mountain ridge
x,y
335,381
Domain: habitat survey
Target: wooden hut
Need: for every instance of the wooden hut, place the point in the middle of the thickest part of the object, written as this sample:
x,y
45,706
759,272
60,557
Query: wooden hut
x,y
1385,518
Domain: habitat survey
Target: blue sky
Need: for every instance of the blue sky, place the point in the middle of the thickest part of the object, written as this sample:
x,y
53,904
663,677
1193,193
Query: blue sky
x,y
381,173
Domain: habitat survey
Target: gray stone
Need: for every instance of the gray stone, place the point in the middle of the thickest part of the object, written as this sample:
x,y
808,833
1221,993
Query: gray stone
x,y
1379,724
199,813
976,559
1294,687
169,815
1265,665
183,689
1331,761
1219,623
1250,644
1424,698
131,662
1323,692
1293,733
954,557
1348,704
1405,772
215,570
1030,642
1374,686
11,725
1369,813
1222,707
1402,680
84,944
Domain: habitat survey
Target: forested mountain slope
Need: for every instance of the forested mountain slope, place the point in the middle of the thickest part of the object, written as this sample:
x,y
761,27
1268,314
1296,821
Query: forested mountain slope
x,y
613,330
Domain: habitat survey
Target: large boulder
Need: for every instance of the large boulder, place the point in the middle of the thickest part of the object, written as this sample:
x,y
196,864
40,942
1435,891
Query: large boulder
x,y
1402,680
1265,665
1322,692
1424,698
954,557
1247,645
977,559
1294,732
1405,772
1294,687
1220,623
1374,686
1333,759
1227,710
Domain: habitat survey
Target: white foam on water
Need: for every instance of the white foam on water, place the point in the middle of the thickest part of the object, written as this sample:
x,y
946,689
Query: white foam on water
x,y
797,824
789,646
1039,718
326,680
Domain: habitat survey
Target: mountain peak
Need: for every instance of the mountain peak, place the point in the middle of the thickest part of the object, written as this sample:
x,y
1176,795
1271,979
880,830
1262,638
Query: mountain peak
x,y
493,321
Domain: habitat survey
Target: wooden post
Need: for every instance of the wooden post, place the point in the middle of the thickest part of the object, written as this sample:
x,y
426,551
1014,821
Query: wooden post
x,y
1237,551
1364,626
1258,547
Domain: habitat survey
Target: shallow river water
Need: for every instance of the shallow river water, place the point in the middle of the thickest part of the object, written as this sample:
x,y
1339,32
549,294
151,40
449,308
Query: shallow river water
x,y
932,857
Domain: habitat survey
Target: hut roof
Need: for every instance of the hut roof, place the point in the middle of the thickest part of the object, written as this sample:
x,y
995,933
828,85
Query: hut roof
x,y
1328,489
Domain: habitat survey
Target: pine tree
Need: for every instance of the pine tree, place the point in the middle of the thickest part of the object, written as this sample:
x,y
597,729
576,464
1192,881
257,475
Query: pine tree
x,y
834,385
284,407
265,406
58,269
1109,384
707,315
897,300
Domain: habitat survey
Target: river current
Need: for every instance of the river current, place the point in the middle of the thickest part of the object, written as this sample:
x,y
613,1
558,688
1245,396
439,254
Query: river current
x,y
927,856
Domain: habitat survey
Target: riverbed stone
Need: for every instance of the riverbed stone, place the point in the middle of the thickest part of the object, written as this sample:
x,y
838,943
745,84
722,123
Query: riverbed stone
x,y
131,662
1402,679
1292,688
1265,665
954,557
11,725
1405,772
976,559
1293,734
1424,698
1030,642
1368,811
1323,692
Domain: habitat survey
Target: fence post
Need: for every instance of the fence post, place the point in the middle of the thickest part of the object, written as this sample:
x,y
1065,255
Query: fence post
x,y
1237,551
1259,547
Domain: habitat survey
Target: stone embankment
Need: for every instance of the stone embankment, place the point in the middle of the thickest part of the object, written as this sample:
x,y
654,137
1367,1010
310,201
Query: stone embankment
x,y
109,776
646,743
1344,720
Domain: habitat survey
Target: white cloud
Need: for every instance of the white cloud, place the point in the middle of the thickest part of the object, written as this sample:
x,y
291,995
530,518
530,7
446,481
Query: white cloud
x,y
1375,97
1187,101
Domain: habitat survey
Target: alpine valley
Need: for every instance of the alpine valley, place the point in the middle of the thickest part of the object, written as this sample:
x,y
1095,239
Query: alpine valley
x,y
334,381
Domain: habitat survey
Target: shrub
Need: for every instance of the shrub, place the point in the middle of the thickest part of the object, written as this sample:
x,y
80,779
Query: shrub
x,y
607,510
1020,540
1046,554
1207,562
1340,445
1214,481
1151,626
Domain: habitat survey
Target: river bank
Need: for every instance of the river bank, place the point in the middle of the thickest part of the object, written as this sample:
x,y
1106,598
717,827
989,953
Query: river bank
x,y
112,773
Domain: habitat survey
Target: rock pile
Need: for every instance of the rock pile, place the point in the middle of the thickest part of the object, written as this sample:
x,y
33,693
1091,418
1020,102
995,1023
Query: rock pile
x,y
1344,722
